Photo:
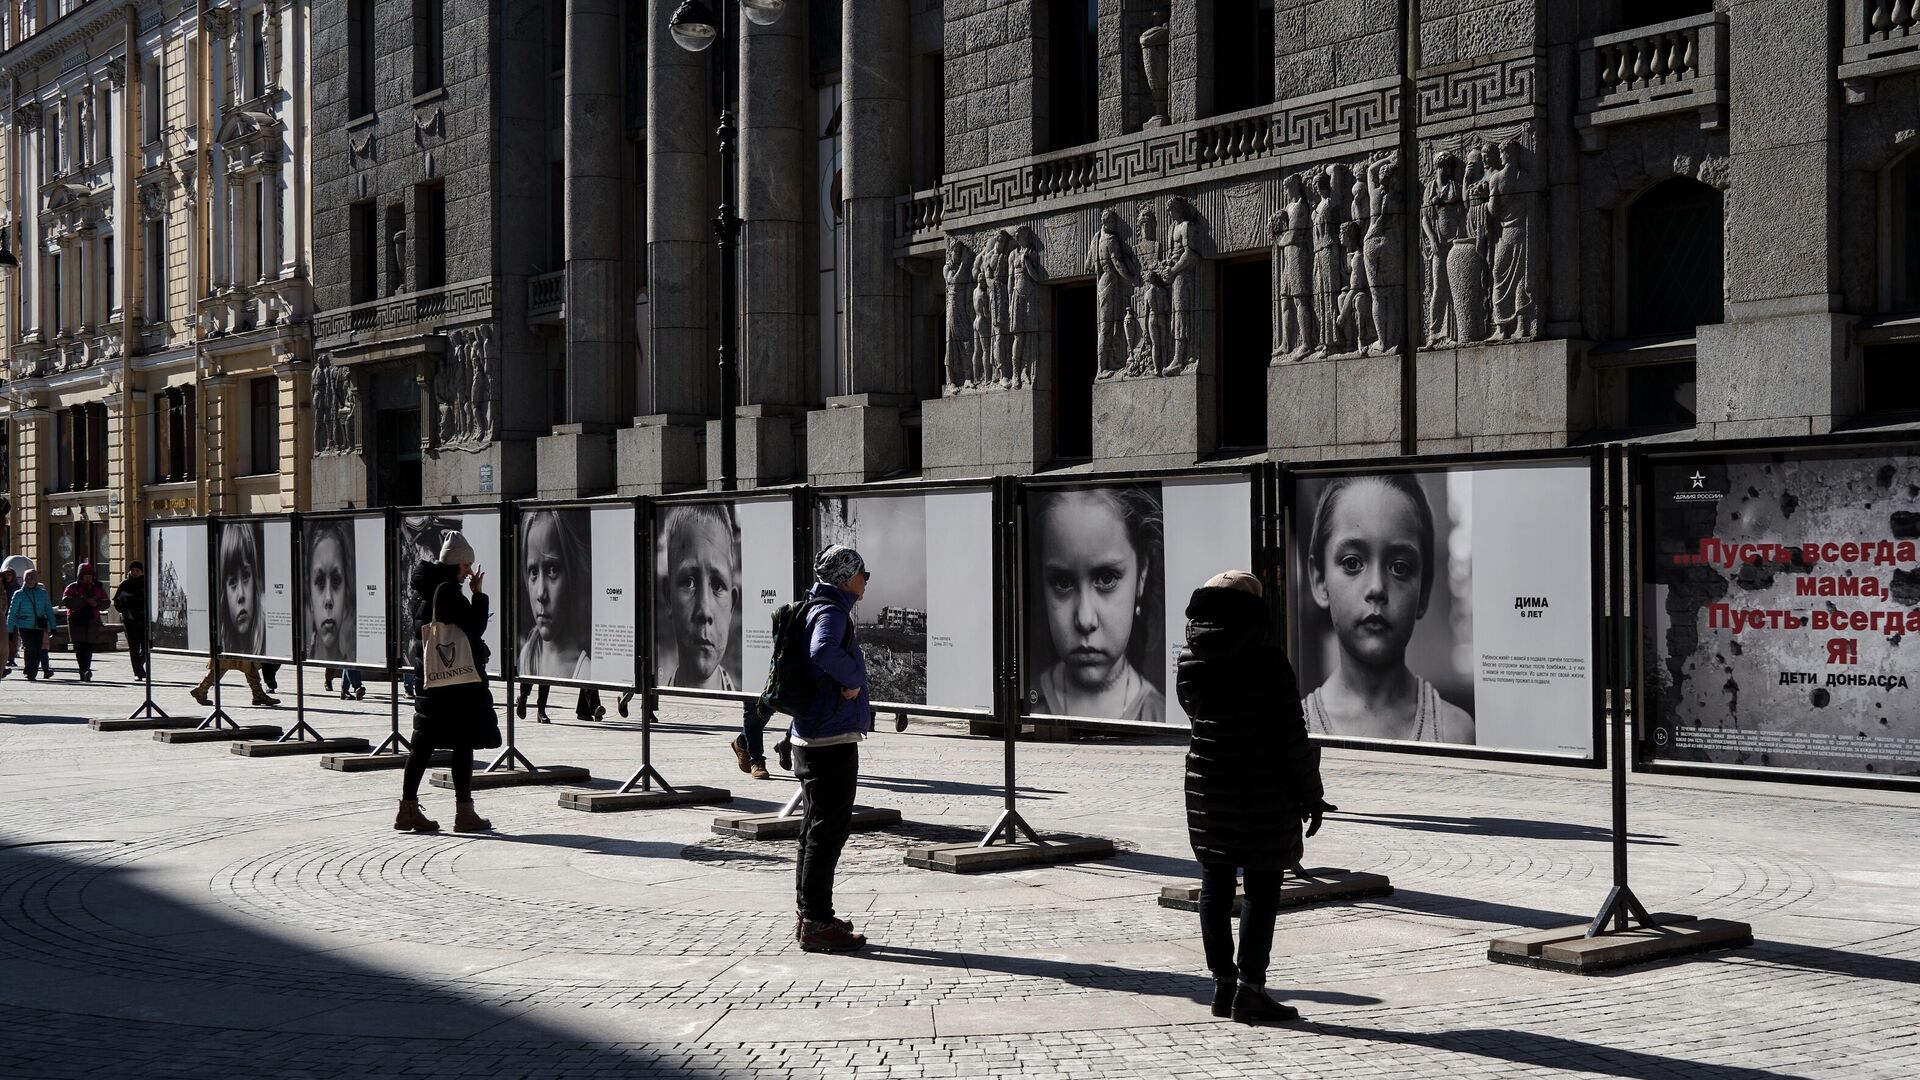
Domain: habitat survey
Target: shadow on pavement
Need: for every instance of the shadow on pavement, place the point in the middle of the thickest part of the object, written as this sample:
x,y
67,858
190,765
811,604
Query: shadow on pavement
x,y
915,785
1469,907
1499,826
111,977
1549,1052
1174,984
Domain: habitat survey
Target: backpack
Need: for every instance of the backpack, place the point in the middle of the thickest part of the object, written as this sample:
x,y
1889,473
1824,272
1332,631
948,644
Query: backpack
x,y
790,686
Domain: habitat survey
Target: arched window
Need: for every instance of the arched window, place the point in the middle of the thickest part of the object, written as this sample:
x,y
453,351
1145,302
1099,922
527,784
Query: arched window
x,y
1675,259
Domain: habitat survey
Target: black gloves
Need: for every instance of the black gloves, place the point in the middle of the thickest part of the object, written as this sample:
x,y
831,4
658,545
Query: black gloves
x,y
1312,815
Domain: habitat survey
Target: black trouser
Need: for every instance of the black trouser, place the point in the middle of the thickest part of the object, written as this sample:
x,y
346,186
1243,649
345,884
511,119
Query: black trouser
x,y
422,755
1256,921
137,647
34,643
828,776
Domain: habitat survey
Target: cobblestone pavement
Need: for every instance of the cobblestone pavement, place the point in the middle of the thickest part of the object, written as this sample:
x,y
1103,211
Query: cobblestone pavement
x,y
181,911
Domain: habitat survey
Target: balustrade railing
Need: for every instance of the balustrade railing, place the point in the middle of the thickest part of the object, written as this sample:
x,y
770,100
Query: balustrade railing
x,y
1659,70
546,294
1882,38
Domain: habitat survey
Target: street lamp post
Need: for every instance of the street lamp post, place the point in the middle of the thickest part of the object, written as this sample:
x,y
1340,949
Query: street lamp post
x,y
695,27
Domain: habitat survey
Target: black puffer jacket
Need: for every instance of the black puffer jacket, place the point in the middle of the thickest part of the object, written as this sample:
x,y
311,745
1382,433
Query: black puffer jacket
x,y
458,717
1251,773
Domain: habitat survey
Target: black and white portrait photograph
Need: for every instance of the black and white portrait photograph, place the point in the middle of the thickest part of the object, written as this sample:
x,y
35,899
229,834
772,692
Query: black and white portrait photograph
x,y
697,601
1382,603
1095,631
554,590
331,586
240,581
890,532
419,540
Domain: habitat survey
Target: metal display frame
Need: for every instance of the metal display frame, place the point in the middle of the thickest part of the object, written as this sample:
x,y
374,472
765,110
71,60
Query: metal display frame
x,y
401,570
218,522
1023,487
1594,458
151,526
384,515
1638,547
803,560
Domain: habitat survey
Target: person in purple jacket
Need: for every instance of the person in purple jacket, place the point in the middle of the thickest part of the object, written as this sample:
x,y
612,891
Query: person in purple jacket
x,y
826,745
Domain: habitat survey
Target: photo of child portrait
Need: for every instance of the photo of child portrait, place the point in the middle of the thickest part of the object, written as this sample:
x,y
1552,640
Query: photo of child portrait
x,y
1382,607
555,570
239,580
330,584
1095,628
698,611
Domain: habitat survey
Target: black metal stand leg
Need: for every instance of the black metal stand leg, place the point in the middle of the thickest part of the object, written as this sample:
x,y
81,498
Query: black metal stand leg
x,y
1622,909
646,776
510,757
149,709
218,718
301,730
394,743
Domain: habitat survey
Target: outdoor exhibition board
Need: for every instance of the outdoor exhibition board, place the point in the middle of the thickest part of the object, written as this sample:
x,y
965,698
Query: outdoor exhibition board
x,y
1779,608
1109,566
925,628
419,533
178,586
343,586
253,583
721,567
1449,605
577,602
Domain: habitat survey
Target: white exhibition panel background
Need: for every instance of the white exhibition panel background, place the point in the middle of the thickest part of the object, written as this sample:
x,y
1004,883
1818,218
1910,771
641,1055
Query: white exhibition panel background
x,y
766,571
615,600
959,610
1208,525
278,583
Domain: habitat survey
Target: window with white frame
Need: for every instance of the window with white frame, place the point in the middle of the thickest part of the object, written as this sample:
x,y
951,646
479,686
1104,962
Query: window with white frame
x,y
155,244
257,54
153,92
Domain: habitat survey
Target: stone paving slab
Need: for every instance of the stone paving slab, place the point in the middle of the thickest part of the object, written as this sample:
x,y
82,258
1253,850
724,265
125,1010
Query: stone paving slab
x,y
197,914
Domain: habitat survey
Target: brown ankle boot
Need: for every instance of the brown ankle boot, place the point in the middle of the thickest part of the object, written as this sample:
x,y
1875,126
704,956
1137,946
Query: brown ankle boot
x,y
465,820
410,819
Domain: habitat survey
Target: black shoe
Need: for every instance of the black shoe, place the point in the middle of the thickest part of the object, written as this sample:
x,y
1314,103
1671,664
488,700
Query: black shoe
x,y
624,698
1251,1005
520,708
785,750
900,722
86,676
359,693
543,717
1223,990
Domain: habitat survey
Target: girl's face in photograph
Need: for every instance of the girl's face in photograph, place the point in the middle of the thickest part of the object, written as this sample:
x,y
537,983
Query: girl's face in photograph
x,y
547,580
1091,578
327,595
241,595
700,574
1370,574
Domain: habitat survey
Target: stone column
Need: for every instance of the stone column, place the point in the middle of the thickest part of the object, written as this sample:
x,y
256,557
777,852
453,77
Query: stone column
x,y
1783,225
577,458
859,436
662,450
773,376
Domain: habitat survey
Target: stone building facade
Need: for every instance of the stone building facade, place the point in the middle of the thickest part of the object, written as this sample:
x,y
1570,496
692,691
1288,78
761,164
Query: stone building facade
x,y
979,236
153,159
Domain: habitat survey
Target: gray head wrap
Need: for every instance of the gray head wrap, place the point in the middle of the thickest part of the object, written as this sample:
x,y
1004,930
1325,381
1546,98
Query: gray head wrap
x,y
837,564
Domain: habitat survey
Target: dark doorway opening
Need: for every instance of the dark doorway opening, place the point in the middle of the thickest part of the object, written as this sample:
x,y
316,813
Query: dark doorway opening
x,y
1675,259
1075,324
1246,347
396,459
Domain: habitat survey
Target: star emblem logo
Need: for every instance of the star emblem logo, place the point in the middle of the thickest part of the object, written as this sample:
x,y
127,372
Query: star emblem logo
x,y
1699,480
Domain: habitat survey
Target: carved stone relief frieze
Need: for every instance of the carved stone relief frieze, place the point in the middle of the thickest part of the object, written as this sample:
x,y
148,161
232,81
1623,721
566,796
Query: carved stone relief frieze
x,y
335,402
462,391
1479,219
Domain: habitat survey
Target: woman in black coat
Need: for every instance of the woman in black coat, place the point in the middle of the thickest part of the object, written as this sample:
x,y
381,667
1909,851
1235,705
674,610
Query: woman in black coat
x,y
1252,778
456,718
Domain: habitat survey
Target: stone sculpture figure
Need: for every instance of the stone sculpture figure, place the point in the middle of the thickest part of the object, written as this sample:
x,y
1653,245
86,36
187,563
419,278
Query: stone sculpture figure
x,y
1329,261
993,265
1153,62
322,408
958,272
1180,270
1151,336
397,262
349,397
1510,204
1381,254
1292,230
1467,262
1443,220
982,359
480,396
1116,272
1023,298
1357,332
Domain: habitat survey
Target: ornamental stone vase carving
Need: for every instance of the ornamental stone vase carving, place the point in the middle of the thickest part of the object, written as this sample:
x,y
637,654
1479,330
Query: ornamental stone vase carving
x,y
1153,60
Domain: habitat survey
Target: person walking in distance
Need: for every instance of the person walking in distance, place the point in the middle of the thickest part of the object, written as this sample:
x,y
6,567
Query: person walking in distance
x,y
85,599
30,614
130,600
451,717
1252,778
826,744
10,638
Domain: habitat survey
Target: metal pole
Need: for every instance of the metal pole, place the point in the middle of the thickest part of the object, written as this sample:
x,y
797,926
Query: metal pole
x,y
1412,324
726,228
